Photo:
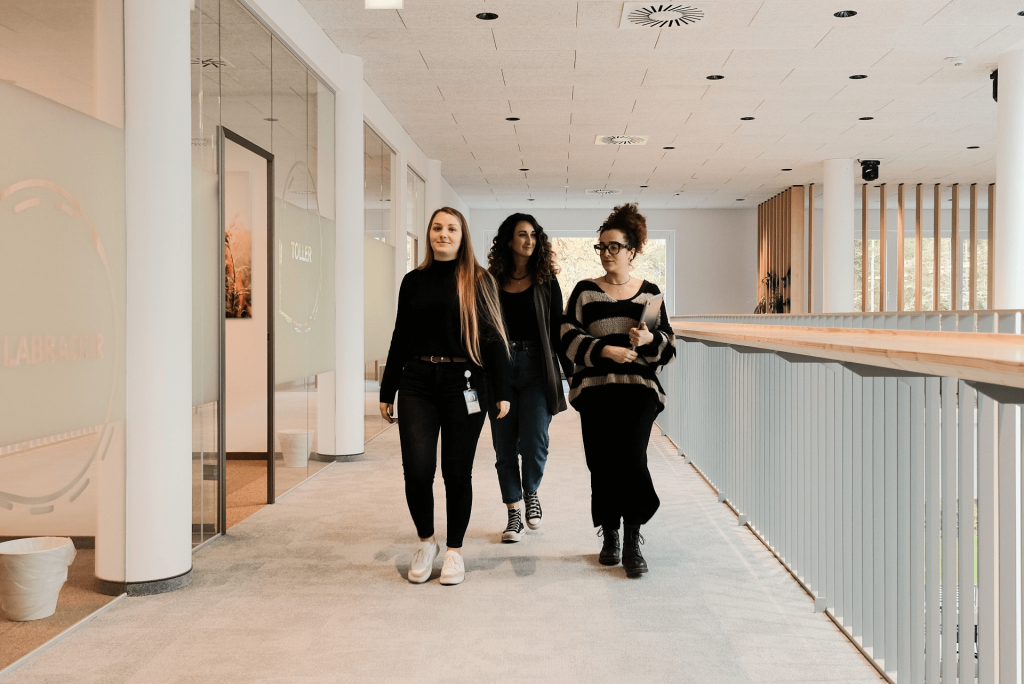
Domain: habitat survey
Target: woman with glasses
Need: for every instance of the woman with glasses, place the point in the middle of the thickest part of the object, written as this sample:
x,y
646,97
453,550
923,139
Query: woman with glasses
x,y
523,264
448,334
615,386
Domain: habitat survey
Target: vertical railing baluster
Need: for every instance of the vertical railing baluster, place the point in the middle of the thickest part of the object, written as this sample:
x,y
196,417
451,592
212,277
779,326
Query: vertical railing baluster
x,y
832,594
846,444
917,532
868,530
857,555
903,529
965,530
933,528
891,521
879,518
949,540
988,520
1009,477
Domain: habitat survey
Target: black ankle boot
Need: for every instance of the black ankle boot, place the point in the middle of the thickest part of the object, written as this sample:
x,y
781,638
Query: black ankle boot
x,y
610,549
632,560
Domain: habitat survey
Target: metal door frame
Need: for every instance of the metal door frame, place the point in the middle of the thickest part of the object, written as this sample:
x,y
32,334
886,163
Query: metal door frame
x,y
223,135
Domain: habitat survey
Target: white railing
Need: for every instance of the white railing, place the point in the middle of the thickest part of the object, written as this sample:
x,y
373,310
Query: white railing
x,y
864,457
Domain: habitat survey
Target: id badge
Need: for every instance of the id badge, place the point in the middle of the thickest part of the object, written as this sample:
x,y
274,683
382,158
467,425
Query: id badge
x,y
472,401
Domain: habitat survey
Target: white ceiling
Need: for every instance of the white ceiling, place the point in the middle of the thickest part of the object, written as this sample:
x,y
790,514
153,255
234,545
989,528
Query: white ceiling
x,y
567,70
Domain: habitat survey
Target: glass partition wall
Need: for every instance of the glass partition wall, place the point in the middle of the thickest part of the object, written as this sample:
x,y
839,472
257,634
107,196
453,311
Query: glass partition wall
x,y
263,270
62,269
379,244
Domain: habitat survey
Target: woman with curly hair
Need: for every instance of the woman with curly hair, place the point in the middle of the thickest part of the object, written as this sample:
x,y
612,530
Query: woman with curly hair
x,y
522,263
615,385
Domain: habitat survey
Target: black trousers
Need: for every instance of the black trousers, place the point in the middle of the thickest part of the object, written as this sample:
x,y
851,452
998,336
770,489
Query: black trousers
x,y
431,403
617,422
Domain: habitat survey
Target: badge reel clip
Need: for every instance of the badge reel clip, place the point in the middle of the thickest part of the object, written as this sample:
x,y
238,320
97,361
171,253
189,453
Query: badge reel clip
x,y
472,400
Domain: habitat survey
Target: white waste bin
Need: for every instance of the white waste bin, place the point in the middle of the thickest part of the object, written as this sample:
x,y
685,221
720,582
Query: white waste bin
x,y
295,445
32,572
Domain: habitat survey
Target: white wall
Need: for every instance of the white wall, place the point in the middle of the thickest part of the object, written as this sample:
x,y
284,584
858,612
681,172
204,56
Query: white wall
x,y
715,250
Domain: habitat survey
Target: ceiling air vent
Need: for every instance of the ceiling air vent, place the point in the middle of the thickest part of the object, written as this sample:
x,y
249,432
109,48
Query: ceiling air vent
x,y
658,15
621,140
602,192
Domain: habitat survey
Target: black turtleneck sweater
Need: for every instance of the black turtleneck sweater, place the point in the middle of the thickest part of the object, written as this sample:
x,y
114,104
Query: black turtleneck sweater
x,y
427,323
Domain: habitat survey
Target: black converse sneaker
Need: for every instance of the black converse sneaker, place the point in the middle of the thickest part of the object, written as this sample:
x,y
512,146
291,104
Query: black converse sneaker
x,y
533,512
515,529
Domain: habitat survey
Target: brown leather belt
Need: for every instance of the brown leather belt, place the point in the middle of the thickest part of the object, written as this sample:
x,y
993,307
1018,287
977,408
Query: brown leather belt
x,y
442,359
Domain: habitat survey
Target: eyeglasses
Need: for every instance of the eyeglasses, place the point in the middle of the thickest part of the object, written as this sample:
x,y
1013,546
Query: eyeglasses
x,y
613,247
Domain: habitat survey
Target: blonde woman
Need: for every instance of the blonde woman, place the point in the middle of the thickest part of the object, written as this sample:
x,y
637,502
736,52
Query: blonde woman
x,y
449,337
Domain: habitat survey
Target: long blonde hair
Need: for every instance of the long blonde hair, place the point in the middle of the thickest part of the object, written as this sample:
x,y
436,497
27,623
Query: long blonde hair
x,y
476,289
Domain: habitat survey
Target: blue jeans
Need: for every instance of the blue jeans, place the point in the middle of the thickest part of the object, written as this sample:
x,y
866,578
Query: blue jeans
x,y
524,431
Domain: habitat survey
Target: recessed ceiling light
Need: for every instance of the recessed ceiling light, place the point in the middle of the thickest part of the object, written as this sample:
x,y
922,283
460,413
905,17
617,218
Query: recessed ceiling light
x,y
524,169
487,16
740,199
383,4
668,148
866,118
511,118
972,147
746,118
643,186
678,194
1020,14
857,77
787,169
270,118
845,14
530,199
715,77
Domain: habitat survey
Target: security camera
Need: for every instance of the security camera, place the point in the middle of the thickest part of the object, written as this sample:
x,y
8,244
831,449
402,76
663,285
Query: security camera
x,y
869,169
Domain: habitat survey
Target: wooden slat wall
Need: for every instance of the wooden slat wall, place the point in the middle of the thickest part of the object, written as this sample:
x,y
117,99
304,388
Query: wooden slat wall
x,y
918,247
782,248
780,238
901,276
956,263
972,292
810,249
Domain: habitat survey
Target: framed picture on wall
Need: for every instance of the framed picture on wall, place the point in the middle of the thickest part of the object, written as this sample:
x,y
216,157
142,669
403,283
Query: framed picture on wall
x,y
238,245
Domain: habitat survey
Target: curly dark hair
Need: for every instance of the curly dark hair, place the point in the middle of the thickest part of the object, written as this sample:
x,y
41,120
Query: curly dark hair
x,y
628,219
500,262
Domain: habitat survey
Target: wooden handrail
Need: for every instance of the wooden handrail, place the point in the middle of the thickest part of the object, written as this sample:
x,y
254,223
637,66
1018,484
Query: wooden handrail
x,y
992,358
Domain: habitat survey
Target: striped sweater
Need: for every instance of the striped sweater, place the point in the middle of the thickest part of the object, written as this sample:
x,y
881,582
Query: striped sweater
x,y
594,320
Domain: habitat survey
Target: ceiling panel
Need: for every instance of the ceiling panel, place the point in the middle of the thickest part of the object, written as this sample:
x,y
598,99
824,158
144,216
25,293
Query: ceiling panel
x,y
567,71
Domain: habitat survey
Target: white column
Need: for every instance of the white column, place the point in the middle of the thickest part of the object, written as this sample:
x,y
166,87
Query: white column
x,y
158,361
1008,255
341,428
837,237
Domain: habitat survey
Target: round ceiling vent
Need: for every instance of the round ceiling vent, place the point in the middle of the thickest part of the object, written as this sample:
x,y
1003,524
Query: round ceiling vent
x,y
621,140
602,192
661,15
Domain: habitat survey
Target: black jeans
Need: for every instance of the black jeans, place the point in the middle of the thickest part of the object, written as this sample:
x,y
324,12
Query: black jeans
x,y
617,422
430,402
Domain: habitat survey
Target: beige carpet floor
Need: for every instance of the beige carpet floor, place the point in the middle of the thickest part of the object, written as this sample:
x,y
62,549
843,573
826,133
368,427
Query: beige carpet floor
x,y
313,590
78,599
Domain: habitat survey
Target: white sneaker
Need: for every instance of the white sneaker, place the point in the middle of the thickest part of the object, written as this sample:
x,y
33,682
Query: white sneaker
x,y
454,570
422,561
